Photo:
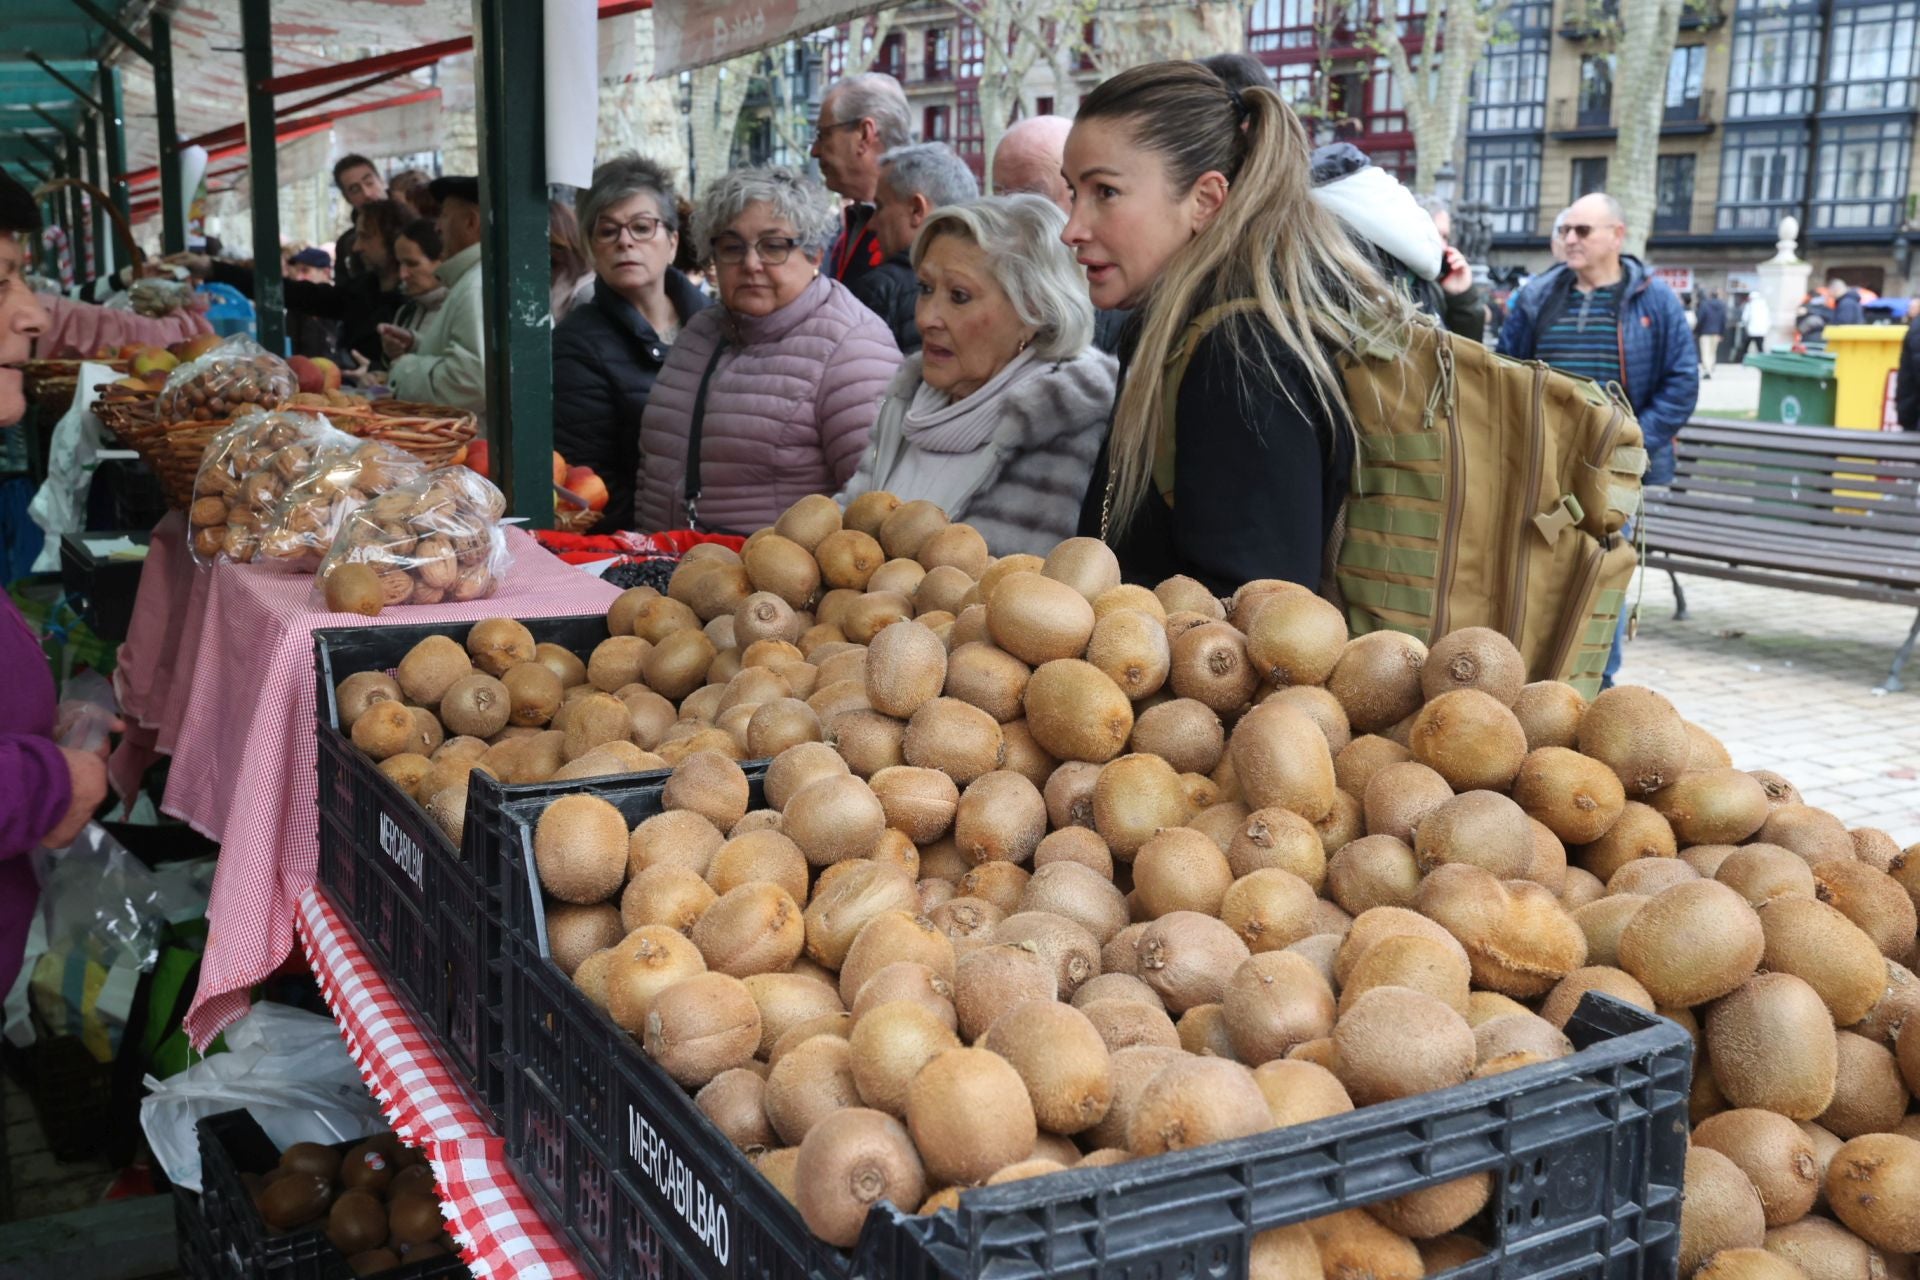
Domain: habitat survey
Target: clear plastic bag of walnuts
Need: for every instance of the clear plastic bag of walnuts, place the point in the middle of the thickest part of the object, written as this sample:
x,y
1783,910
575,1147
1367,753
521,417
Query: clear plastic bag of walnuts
x,y
246,471
234,377
314,508
435,539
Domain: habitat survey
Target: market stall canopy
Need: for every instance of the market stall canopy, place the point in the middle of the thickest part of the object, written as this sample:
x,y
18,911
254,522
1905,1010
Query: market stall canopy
x,y
693,33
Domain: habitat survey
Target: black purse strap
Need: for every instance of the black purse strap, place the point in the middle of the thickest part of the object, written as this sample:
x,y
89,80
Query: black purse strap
x,y
694,428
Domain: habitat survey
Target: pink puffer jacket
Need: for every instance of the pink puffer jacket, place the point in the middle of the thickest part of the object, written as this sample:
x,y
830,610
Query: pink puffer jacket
x,y
788,409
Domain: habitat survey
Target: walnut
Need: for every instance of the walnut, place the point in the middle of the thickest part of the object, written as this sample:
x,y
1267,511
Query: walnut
x,y
424,594
209,541
218,481
207,511
473,585
396,588
399,539
435,563
240,544
290,462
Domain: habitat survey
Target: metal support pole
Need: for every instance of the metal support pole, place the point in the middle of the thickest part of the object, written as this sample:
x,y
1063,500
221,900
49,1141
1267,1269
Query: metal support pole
x,y
106,253
509,76
263,174
76,90
173,215
113,126
84,245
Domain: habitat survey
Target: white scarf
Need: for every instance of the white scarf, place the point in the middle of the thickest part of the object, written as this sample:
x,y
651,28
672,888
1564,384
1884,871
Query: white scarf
x,y
938,423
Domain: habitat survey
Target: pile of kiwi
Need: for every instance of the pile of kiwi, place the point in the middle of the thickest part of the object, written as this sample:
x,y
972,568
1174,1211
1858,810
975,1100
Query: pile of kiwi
x,y
1058,871
376,1202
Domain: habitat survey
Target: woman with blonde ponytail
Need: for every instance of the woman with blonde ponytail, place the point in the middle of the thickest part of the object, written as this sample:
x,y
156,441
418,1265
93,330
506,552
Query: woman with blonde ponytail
x,y
1230,447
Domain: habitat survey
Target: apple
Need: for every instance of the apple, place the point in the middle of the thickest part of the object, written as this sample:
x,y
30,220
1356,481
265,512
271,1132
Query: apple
x,y
559,469
198,345
106,353
584,482
311,379
329,373
154,360
479,458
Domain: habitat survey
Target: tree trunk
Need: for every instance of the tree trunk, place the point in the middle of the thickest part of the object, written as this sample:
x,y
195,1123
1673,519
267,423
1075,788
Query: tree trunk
x,y
1131,32
718,92
1648,29
1435,86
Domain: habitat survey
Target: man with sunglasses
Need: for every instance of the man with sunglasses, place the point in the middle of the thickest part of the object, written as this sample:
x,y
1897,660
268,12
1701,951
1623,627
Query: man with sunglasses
x,y
862,117
1604,315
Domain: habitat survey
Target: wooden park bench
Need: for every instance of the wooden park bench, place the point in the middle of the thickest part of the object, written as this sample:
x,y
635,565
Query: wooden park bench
x,y
1818,509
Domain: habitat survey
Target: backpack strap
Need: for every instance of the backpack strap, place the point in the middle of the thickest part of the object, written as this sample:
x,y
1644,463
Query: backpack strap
x,y
1176,371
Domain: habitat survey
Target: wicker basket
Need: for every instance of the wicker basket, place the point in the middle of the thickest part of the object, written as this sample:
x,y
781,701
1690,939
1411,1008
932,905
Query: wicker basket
x,y
575,519
435,434
176,454
51,384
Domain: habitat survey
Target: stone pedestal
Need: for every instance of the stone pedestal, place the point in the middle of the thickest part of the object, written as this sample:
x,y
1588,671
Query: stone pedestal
x,y
1783,283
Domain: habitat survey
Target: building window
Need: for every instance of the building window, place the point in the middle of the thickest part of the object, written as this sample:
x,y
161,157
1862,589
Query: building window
x,y
1294,83
893,56
1860,179
836,55
973,51
1686,73
968,138
1505,173
1386,105
1871,58
936,124
1673,194
940,54
1596,90
1043,106
1772,61
1509,91
1763,176
1589,176
1275,25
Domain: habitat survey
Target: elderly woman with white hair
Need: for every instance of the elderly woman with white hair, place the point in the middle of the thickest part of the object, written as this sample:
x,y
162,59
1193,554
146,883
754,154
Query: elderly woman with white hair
x,y
1000,416
770,395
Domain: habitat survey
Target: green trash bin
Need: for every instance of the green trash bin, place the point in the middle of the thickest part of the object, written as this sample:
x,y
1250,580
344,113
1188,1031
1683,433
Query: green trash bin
x,y
1798,390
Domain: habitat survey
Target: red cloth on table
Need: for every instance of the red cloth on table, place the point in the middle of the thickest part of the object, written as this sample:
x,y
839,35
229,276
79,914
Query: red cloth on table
x,y
233,702
500,1232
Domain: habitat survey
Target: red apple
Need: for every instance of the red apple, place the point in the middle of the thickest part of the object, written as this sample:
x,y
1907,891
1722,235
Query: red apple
x,y
329,373
479,458
559,468
584,482
311,379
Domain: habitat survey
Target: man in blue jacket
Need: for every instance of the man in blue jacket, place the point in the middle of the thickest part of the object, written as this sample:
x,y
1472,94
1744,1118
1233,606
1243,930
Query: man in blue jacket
x,y
1603,314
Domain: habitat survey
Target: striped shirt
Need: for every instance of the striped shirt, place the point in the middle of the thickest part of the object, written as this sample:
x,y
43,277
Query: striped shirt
x,y
1585,337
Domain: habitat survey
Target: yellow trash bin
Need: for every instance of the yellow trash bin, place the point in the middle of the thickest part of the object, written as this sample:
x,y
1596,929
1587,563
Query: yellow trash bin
x,y
1866,357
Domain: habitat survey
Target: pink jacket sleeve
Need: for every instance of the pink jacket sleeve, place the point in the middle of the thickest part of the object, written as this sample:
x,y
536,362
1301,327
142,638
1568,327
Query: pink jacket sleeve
x,y
850,392
78,329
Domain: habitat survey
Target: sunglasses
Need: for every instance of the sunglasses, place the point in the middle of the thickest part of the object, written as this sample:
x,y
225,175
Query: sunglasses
x,y
1581,230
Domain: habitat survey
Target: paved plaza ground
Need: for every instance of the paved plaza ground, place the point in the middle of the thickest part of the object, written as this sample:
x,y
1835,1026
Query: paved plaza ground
x,y
1790,682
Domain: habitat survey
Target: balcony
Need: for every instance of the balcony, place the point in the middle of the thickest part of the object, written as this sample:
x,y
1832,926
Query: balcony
x,y
1571,120
1592,19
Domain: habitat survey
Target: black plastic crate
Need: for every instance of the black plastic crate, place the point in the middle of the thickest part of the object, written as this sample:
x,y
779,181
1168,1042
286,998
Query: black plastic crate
x,y
195,1249
1588,1155
102,588
232,1143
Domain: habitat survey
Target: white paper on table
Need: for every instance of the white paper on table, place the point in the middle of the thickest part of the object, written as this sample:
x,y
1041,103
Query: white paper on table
x,y
572,30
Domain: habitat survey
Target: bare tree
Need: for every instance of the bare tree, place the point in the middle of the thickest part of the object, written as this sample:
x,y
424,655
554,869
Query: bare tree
x,y
1435,86
1130,32
1015,37
1643,50
719,91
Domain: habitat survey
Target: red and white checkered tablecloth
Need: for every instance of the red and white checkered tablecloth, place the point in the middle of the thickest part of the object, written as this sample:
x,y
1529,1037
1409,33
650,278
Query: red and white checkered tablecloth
x,y
244,753
501,1234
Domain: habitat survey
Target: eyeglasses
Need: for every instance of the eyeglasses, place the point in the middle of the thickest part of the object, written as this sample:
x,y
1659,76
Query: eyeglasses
x,y
1581,230
820,132
642,229
772,250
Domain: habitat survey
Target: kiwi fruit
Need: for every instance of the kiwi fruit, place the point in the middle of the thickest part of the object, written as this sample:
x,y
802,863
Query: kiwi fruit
x,y
1814,834
755,928
702,1025
1088,565
645,963
1638,734
1296,638
1131,647
1692,943
1773,1047
1076,712
960,741
1508,1041
1134,797
1281,760
970,1115
889,1045
1470,739
1078,893
1434,1211
1362,757
1877,849
1038,619
1517,936
534,693
1000,818
576,932
958,546
812,1080
735,1101
988,677
361,690
894,937
1270,909
1712,806
944,590
1274,1001
851,1161
1566,994
658,617
1639,832
906,668
476,705
1549,712
677,837
1762,872
1374,871
1719,1208
787,1001
1210,665
1399,796
678,664
1777,1157
1178,869
1393,1042
1577,798
1873,900
1873,1184
430,667
848,559
1814,941
580,849
1187,958
1822,1249
833,819
354,588
384,729
867,741
1868,1095
842,906
1193,1101
1000,883
1182,731
408,770
1409,960
664,894
1060,1056
1483,828
1474,658
1378,679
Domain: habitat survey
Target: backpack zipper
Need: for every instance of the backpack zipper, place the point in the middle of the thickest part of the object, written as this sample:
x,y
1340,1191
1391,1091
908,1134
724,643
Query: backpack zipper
x,y
1578,609
1449,551
1536,443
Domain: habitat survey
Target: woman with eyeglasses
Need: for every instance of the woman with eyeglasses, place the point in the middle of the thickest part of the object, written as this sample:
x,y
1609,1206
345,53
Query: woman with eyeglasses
x,y
609,349
769,396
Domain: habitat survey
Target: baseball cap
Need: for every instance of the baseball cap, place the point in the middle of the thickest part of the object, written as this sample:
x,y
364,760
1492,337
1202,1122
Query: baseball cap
x,y
455,188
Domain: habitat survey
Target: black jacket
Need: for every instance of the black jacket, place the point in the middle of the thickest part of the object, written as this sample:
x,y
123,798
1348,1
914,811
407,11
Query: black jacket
x,y
1710,318
1109,328
1906,387
1259,472
856,249
605,358
889,291
360,306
